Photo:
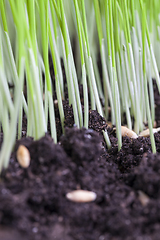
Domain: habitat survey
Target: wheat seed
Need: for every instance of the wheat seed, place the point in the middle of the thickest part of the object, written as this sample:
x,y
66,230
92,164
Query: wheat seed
x,y
127,132
143,198
23,156
146,133
81,196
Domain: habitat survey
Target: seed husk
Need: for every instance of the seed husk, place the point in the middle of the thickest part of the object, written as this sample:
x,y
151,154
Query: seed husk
x,y
23,156
81,196
146,133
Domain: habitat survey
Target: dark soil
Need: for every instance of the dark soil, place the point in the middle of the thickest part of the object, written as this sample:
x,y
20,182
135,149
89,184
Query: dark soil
x,y
33,203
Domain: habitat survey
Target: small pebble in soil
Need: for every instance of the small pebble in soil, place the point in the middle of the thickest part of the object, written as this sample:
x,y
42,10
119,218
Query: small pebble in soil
x,y
81,196
23,156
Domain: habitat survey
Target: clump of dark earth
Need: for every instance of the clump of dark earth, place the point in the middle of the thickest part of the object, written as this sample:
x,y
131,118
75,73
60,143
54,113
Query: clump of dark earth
x,y
77,144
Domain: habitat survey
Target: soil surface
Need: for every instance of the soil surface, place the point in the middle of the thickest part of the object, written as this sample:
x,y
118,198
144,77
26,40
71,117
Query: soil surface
x,y
33,203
